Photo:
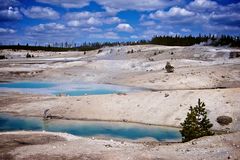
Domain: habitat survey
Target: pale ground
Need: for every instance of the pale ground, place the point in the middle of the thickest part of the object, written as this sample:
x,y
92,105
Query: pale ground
x,y
215,148
200,72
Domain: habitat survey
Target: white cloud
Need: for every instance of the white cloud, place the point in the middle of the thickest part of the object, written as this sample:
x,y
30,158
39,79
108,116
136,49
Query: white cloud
x,y
7,31
41,12
93,21
220,29
112,20
150,33
134,37
148,23
111,35
85,22
107,35
116,6
185,30
67,3
7,3
124,27
76,19
82,15
140,5
202,5
48,27
227,18
173,12
171,33
74,23
10,14
91,29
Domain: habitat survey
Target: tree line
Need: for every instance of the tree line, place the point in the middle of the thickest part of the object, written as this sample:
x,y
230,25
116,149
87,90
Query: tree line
x,y
224,40
70,47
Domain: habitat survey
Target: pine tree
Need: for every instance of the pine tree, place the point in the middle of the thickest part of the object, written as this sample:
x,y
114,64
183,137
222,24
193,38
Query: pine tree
x,y
196,124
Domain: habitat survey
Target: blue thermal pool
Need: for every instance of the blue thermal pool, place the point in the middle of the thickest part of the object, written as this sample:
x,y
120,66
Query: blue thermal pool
x,y
70,88
89,128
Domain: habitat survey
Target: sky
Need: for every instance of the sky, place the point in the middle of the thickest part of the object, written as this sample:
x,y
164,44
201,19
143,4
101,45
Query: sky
x,y
77,21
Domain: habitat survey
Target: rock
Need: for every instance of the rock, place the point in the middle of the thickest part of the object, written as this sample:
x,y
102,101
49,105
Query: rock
x,y
150,59
224,120
166,94
234,55
45,114
194,142
108,145
169,68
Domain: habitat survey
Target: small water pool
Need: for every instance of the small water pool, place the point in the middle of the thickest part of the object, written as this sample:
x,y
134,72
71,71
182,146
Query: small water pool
x,y
89,129
64,88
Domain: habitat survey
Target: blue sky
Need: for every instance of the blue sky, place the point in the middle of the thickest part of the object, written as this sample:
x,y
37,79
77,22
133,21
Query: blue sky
x,y
77,21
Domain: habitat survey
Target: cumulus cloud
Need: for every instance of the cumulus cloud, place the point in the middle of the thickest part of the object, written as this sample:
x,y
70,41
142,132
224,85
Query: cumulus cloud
x,y
85,22
67,3
112,20
173,12
82,15
124,27
91,29
7,31
159,17
212,13
140,5
48,27
110,6
93,21
148,23
10,14
202,5
74,23
149,33
185,30
231,19
171,33
6,3
176,16
107,35
134,37
36,12
76,19
220,29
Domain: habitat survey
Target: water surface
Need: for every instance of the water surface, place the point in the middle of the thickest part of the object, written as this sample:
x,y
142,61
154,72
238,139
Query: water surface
x,y
89,129
65,88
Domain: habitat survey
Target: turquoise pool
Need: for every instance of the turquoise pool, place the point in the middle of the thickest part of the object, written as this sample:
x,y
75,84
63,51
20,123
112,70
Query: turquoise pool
x,y
89,129
66,88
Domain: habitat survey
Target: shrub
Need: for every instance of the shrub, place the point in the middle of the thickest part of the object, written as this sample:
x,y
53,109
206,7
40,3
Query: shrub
x,y
169,68
224,120
196,123
28,55
3,57
234,54
99,51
